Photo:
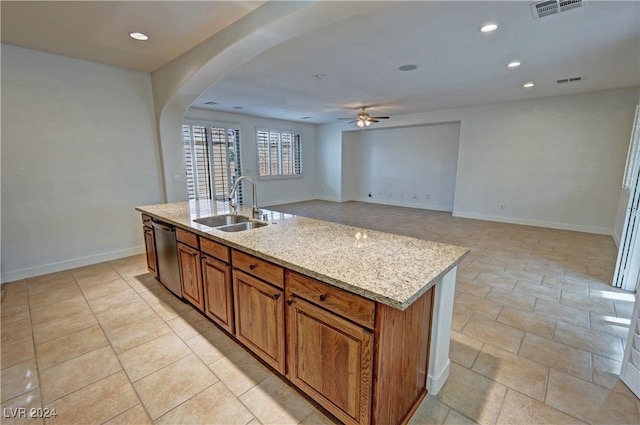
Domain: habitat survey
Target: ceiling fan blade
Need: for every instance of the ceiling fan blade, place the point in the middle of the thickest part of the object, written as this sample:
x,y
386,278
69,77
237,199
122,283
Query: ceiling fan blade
x,y
379,118
345,118
372,120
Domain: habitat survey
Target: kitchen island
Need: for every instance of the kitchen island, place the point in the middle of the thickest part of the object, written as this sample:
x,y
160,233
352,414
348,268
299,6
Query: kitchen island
x,y
357,319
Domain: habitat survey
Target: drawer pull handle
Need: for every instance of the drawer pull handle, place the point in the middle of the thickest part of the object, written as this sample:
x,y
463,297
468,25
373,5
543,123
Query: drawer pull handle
x,y
289,302
276,296
323,297
252,266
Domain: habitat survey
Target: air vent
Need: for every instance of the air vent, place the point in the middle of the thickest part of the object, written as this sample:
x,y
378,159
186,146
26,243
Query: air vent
x,y
211,103
569,80
551,7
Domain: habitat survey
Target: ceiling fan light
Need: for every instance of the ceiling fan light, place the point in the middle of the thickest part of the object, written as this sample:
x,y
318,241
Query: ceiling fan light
x,y
360,123
367,123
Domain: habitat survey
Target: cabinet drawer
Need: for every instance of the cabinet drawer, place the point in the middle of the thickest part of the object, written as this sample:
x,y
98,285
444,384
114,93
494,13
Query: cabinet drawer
x,y
188,238
215,249
259,268
146,220
350,306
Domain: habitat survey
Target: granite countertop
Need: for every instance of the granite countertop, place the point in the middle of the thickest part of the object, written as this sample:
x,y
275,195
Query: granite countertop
x,y
392,269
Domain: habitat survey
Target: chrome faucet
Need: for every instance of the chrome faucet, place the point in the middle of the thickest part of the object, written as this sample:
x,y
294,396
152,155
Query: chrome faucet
x,y
232,194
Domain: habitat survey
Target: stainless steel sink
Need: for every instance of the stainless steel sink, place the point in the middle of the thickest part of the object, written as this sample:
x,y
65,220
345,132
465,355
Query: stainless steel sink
x,y
238,227
222,220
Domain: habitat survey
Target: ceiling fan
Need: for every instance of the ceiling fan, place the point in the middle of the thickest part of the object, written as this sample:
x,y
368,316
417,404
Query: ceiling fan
x,y
363,118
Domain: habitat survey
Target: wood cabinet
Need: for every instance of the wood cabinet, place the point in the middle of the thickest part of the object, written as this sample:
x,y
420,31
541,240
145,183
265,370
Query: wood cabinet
x,y
331,360
150,249
150,245
330,346
259,314
259,268
363,361
191,275
350,306
218,296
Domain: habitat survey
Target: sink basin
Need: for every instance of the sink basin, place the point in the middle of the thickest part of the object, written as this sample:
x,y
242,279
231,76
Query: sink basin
x,y
238,227
222,220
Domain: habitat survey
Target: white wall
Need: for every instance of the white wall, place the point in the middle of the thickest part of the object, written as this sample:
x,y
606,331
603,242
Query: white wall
x,y
271,191
329,163
553,162
79,153
410,166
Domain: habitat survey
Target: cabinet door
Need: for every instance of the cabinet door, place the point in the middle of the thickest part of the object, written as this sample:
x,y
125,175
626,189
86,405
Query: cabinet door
x,y
190,275
150,248
330,359
259,311
216,280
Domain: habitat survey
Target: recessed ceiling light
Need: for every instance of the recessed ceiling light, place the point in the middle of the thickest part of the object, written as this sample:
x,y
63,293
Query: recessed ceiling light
x,y
528,85
210,103
489,28
319,76
138,36
407,67
513,64
237,107
306,118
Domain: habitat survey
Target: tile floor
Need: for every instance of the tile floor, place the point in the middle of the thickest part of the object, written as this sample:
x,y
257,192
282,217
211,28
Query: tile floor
x,y
538,336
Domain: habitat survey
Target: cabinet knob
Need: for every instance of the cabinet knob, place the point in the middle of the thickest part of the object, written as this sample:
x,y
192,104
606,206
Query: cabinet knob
x,y
252,266
289,302
276,296
323,297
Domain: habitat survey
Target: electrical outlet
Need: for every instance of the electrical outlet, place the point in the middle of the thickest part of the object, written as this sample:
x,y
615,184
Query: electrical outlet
x,y
427,196
502,205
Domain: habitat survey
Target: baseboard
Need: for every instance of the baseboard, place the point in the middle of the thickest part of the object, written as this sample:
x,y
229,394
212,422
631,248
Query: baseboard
x,y
68,264
535,223
405,204
616,239
286,201
328,198
436,382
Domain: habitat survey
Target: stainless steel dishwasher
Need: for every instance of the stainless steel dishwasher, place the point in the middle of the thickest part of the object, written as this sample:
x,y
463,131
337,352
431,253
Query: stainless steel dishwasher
x,y
167,254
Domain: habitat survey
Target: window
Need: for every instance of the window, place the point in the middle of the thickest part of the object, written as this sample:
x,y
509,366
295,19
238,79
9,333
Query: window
x,y
212,156
279,153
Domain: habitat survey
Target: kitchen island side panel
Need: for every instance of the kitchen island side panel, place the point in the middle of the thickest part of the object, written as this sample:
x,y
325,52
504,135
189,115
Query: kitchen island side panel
x,y
402,339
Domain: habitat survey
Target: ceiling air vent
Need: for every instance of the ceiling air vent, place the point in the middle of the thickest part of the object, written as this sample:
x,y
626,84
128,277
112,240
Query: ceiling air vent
x,y
569,80
551,7
210,103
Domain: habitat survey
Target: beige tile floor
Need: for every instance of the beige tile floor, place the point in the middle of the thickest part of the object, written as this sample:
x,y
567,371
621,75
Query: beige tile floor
x,y
538,337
